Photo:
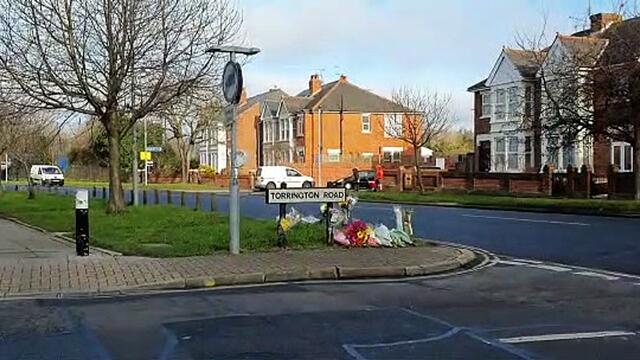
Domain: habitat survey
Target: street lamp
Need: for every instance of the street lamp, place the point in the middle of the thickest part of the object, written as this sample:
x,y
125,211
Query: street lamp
x,y
232,83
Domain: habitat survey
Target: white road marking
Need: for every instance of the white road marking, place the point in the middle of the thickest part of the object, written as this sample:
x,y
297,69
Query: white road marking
x,y
602,276
549,267
538,266
525,220
567,336
528,261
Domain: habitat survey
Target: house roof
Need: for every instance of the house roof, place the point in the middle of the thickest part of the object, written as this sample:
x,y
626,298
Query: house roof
x,y
478,86
273,95
295,103
341,95
526,62
586,50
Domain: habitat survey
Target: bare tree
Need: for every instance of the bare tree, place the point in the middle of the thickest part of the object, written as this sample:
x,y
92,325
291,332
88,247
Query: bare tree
x,y
115,60
28,139
426,117
589,88
188,123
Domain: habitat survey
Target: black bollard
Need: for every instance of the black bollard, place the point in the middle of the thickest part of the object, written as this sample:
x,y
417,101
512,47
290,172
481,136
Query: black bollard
x,y
82,223
144,197
213,202
156,195
197,207
169,200
181,198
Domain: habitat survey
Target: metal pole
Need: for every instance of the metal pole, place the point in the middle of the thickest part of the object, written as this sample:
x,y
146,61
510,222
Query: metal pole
x,y
6,167
146,163
234,203
136,180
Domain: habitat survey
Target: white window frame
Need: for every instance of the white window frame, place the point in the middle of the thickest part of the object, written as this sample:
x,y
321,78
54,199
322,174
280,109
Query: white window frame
x,y
366,125
333,155
513,154
395,154
300,125
500,166
513,103
487,105
500,115
392,127
623,155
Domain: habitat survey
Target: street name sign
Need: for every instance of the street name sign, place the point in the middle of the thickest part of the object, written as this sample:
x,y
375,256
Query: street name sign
x,y
154,149
310,195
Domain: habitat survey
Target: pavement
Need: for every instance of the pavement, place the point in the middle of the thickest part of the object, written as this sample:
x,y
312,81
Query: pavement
x,y
61,273
513,310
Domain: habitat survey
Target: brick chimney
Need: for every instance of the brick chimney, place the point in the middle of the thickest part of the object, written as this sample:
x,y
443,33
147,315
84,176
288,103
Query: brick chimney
x,y
315,84
243,96
602,21
343,78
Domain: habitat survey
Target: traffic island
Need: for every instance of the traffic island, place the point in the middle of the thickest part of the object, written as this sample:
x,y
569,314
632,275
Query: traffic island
x,y
108,275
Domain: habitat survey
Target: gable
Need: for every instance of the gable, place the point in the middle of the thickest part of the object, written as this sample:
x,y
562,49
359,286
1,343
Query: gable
x,y
503,72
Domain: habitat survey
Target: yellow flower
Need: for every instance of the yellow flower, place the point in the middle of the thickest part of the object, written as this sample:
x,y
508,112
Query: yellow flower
x,y
285,224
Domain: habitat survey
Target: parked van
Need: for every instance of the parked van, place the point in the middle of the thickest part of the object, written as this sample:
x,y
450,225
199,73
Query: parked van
x,y
46,175
271,177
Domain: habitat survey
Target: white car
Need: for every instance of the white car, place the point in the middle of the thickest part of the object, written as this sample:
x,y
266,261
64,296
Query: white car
x,y
46,175
272,177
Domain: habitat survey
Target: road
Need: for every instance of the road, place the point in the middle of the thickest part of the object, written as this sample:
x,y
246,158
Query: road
x,y
592,241
514,310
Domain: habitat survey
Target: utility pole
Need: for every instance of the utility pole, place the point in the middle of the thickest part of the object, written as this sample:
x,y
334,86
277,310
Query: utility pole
x,y
232,83
146,163
136,151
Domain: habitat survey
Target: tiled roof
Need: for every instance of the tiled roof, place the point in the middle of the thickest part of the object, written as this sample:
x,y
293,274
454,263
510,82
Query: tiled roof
x,y
586,50
341,95
478,86
295,103
271,95
527,62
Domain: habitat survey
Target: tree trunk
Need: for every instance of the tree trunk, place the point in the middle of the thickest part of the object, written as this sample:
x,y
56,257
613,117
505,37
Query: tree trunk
x,y
184,165
116,197
416,161
30,189
636,160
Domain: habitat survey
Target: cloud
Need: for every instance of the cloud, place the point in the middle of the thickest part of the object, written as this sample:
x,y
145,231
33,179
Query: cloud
x,y
386,44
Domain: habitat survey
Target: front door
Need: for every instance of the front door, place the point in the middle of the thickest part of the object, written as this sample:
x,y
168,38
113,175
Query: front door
x,y
484,156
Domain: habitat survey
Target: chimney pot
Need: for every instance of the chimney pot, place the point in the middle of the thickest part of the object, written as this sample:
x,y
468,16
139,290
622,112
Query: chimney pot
x,y
602,21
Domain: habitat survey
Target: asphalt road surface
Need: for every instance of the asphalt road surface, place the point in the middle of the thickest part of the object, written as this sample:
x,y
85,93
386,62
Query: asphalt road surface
x,y
514,310
592,241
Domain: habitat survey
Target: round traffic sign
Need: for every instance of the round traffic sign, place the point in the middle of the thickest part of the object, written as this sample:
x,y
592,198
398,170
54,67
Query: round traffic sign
x,y
232,82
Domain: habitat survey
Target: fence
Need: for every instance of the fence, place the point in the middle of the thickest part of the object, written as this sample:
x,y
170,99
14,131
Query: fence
x,y
203,201
571,183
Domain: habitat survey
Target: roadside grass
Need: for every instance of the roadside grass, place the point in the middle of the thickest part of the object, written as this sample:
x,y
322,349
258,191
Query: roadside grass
x,y
158,231
592,206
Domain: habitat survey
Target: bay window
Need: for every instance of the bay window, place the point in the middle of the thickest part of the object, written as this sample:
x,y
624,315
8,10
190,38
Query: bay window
x,y
512,156
500,105
500,158
487,107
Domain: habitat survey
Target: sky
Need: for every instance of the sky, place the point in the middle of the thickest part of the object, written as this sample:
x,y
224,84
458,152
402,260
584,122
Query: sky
x,y
383,45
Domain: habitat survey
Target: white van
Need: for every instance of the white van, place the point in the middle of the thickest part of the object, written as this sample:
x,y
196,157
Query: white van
x,y
46,175
271,177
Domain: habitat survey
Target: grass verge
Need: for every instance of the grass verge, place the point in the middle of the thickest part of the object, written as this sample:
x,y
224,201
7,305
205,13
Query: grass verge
x,y
100,184
160,231
587,206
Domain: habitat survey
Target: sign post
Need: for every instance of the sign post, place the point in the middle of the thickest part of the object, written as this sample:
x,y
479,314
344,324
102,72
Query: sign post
x,y
82,223
232,83
282,197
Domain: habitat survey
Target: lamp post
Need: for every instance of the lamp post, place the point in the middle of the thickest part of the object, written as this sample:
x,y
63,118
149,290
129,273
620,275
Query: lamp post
x,y
232,84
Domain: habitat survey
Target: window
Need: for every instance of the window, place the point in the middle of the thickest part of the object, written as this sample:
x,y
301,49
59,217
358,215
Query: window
x,y
392,125
299,125
622,156
334,155
293,172
528,100
367,156
552,151
528,158
486,104
501,156
366,123
512,156
568,154
391,154
513,102
300,154
500,104
275,130
284,129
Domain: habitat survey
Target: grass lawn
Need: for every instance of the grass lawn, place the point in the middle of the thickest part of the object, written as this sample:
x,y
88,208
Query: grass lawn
x,y
595,206
161,231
